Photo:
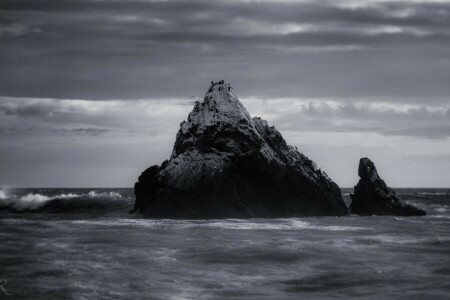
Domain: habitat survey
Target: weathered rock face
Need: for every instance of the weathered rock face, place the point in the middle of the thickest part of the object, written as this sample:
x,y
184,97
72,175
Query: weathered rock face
x,y
226,164
373,197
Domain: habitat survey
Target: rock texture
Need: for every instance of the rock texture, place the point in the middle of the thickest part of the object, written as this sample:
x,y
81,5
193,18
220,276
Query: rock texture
x,y
226,164
373,197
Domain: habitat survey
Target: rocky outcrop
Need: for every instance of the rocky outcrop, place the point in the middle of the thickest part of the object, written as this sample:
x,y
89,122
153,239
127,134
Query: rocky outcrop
x,y
373,197
226,164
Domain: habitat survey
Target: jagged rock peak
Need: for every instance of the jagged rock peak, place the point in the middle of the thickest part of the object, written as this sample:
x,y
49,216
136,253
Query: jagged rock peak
x,y
367,169
219,104
373,197
220,122
226,164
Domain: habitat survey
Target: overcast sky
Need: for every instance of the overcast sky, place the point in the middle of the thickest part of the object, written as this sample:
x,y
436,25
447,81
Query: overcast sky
x,y
92,92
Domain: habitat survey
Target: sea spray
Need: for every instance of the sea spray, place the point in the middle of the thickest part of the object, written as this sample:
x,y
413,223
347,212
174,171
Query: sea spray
x,y
23,200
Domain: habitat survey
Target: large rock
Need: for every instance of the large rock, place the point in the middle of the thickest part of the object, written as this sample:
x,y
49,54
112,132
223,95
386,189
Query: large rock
x,y
226,164
373,197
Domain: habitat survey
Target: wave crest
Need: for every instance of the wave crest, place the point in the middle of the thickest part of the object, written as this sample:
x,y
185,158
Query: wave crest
x,y
3,195
94,194
65,202
36,201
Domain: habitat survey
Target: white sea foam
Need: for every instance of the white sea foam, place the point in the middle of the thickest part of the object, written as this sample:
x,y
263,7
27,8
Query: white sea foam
x,y
30,201
241,225
440,208
140,223
3,194
33,201
66,196
432,194
396,239
339,228
228,224
94,194
36,201
409,220
285,225
305,225
439,216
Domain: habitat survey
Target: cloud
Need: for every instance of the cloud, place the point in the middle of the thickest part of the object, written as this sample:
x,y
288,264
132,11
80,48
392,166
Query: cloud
x,y
170,49
114,118
150,117
77,141
359,116
56,131
433,132
352,78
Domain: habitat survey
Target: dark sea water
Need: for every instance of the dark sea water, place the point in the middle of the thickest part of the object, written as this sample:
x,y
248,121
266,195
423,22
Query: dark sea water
x,y
83,244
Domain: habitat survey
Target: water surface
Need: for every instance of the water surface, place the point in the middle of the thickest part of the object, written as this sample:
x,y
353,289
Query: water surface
x,y
82,244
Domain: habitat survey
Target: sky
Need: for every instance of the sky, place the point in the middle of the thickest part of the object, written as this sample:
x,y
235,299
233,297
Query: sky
x,y
92,92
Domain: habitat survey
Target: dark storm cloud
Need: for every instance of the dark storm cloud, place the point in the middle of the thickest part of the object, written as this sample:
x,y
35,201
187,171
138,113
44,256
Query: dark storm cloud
x,y
159,49
204,12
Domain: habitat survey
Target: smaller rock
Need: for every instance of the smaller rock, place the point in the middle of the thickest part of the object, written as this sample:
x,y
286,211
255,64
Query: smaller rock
x,y
373,197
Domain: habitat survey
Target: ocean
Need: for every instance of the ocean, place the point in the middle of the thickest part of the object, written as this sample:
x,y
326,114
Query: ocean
x,y
83,244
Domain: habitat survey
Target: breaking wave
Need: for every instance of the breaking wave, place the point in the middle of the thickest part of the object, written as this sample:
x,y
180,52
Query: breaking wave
x,y
3,195
36,201
63,202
